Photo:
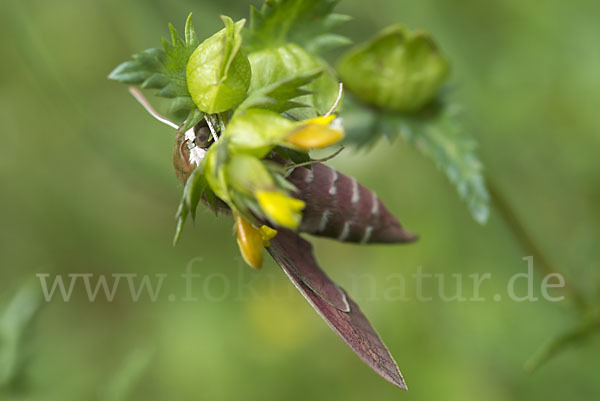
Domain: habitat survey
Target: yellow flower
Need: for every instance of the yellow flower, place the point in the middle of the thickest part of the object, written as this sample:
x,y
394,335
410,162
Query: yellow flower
x,y
250,241
282,209
316,133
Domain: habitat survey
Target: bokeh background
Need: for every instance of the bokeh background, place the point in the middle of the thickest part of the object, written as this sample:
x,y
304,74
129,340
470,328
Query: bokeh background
x,y
88,187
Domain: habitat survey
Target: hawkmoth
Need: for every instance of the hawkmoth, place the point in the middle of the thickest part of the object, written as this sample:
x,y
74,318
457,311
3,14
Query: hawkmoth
x,y
338,207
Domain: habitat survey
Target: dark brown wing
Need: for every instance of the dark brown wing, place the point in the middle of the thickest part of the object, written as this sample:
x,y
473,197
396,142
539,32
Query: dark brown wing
x,y
339,207
295,256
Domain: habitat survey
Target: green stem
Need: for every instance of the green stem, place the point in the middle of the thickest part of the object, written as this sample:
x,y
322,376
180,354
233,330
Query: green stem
x,y
542,263
589,323
588,326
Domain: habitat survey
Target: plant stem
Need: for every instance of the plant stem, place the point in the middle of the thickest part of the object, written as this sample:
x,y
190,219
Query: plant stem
x,y
542,263
588,326
311,162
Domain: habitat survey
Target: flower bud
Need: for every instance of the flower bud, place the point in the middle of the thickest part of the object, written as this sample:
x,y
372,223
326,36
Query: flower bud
x,y
397,70
250,242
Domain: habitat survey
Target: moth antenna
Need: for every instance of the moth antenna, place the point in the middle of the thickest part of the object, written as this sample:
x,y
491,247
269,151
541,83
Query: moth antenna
x,y
211,128
337,100
144,102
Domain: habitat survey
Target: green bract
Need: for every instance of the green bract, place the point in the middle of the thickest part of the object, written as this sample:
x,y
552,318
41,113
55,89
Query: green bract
x,y
280,96
257,131
218,73
397,70
275,64
214,161
195,187
248,174
308,23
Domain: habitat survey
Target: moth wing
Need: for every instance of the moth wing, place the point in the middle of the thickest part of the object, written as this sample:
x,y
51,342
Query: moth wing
x,y
295,257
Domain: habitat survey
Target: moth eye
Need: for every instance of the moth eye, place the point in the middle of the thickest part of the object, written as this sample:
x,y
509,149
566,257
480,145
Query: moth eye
x,y
203,136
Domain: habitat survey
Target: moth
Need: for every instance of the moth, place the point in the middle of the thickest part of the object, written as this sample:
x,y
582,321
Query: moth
x,y
338,207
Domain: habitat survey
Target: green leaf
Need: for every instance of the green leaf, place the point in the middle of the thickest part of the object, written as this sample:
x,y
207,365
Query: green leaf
x,y
437,133
195,187
444,141
305,22
163,69
218,72
289,62
398,70
325,43
279,96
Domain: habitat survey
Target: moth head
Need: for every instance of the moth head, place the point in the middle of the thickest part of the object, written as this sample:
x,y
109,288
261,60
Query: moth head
x,y
190,146
190,149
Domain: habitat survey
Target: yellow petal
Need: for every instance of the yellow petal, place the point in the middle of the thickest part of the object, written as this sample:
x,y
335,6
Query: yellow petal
x,y
322,120
316,133
267,234
250,241
282,209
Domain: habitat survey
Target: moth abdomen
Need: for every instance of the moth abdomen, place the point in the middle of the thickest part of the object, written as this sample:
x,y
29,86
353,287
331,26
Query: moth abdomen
x,y
337,206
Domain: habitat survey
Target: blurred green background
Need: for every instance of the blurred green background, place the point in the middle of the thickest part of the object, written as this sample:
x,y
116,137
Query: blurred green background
x,y
88,187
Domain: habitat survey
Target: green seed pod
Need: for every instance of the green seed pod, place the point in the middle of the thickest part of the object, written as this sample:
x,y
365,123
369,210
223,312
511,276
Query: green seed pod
x,y
218,73
397,70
